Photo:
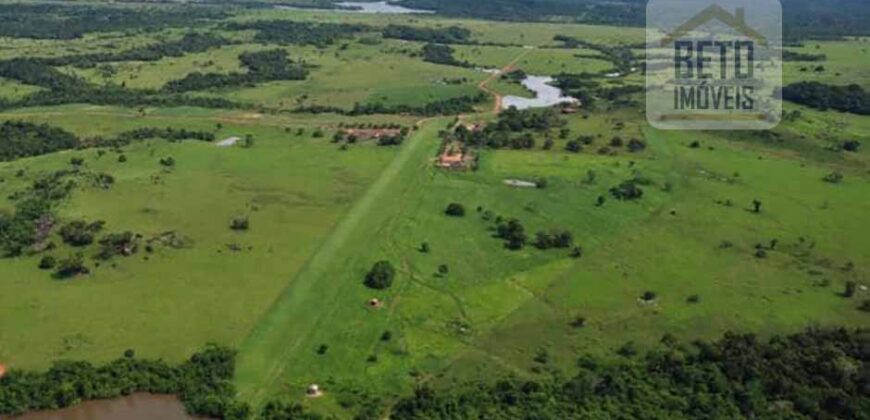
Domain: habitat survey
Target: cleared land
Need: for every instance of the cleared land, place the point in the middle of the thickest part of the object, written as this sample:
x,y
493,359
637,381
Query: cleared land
x,y
288,292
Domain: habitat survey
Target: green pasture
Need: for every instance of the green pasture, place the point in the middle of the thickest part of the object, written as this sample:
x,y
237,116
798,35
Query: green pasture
x,y
846,62
168,304
363,74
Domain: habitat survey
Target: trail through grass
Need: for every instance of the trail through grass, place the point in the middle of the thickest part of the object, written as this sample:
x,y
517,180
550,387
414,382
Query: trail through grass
x,y
298,310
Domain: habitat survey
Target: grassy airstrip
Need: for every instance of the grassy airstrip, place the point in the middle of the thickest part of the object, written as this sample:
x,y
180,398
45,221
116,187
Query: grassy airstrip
x,y
321,216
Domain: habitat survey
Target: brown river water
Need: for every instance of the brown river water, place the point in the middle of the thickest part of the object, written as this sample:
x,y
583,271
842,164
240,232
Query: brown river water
x,y
140,406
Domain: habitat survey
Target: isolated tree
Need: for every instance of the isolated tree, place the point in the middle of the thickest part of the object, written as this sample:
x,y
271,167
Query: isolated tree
x,y
455,210
850,289
443,269
600,201
573,146
648,296
424,247
380,276
71,267
240,223
851,145
47,262
756,206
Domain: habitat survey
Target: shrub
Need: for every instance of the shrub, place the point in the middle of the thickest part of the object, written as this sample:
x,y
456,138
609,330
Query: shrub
x,y
239,223
648,296
851,145
71,267
627,191
386,336
455,210
850,289
693,299
47,262
573,146
79,233
636,145
833,178
380,276
168,162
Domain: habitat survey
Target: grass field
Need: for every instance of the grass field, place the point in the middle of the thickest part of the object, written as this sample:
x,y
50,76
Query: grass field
x,y
294,189
288,293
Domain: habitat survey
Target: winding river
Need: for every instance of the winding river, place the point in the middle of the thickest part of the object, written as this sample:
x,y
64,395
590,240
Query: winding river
x,y
363,7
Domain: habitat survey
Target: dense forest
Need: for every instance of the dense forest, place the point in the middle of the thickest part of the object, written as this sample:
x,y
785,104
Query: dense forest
x,y
851,98
441,54
262,66
448,35
203,383
59,21
590,11
192,42
801,18
21,139
299,33
450,106
512,129
818,374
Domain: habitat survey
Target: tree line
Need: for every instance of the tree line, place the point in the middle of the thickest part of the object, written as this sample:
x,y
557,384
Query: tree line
x,y
23,139
449,35
450,106
818,374
191,42
263,66
802,19
60,21
441,54
513,129
299,33
852,98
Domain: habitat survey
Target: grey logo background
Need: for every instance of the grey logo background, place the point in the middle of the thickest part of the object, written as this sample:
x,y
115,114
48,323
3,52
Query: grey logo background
x,y
714,65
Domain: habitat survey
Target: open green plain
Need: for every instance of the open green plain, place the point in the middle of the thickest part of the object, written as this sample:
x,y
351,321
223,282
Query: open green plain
x,y
321,214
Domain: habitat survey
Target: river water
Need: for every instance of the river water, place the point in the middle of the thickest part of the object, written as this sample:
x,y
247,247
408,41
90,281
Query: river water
x,y
139,406
364,7
546,95
380,7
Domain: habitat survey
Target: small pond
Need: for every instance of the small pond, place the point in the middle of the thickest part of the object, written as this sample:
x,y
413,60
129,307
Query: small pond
x,y
546,95
139,406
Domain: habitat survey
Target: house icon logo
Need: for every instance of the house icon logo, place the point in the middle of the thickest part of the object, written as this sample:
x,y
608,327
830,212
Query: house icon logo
x,y
737,22
714,64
